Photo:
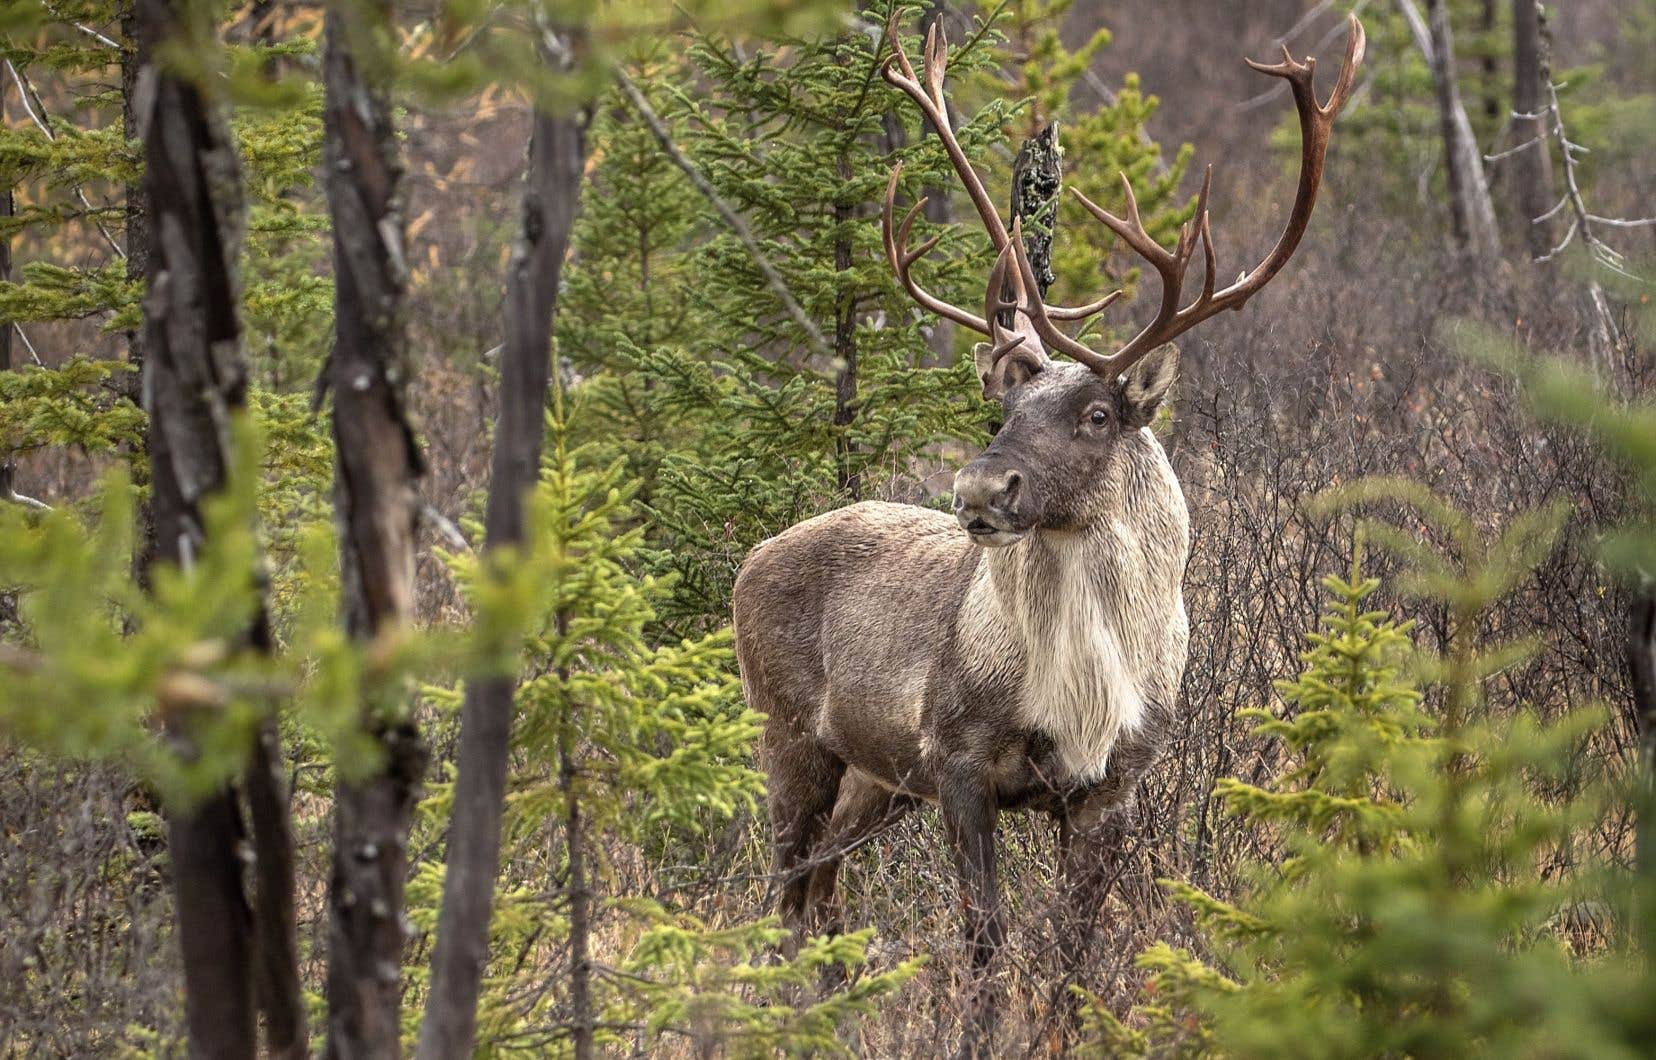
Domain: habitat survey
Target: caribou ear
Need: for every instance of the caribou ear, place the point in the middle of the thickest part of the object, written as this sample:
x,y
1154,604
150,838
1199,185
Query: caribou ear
x,y
1014,369
1145,386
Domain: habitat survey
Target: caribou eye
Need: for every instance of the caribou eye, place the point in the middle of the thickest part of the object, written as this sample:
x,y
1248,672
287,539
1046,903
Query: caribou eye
x,y
1100,417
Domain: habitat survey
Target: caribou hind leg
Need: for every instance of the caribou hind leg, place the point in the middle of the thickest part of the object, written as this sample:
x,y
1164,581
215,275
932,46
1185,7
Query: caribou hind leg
x,y
804,781
864,809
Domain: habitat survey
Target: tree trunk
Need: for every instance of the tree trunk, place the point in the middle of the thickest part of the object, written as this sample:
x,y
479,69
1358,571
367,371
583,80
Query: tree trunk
x,y
1531,166
281,995
1037,179
845,345
193,379
1488,68
551,196
7,467
377,465
1470,208
136,236
1641,670
580,893
136,244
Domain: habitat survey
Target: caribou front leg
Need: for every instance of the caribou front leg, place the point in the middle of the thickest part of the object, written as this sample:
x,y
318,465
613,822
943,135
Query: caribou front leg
x,y
968,805
1092,836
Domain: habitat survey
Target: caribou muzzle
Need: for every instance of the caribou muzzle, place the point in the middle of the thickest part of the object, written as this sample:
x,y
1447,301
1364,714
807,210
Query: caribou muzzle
x,y
995,501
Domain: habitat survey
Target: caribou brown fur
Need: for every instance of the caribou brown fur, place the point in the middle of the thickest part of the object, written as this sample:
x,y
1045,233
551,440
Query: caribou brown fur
x,y
1026,651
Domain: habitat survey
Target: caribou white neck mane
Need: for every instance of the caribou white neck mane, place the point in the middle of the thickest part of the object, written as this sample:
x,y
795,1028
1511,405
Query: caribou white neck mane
x,y
1086,617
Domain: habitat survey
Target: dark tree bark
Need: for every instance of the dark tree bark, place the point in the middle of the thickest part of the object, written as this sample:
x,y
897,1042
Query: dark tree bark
x,y
281,995
7,467
1037,179
845,345
551,196
1487,66
582,1016
137,233
377,465
1532,166
1641,667
194,377
136,240
1641,670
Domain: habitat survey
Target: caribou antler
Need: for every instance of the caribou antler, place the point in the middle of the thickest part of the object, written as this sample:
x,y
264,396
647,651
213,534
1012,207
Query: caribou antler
x,y
1316,124
927,94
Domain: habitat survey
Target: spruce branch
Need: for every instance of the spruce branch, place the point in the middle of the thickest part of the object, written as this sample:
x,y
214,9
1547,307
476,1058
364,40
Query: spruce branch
x,y
37,113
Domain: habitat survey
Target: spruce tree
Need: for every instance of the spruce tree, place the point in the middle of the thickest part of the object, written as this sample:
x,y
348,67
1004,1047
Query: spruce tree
x,y
1412,913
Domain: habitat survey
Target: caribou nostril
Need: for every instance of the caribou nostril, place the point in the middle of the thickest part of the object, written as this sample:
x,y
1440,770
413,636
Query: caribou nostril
x,y
958,503
1009,491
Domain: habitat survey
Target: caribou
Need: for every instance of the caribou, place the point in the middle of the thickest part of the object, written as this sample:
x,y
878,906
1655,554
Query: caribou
x,y
1023,652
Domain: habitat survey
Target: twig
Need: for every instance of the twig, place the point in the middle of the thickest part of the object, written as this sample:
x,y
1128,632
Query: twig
x,y
33,356
445,527
1605,333
28,502
731,217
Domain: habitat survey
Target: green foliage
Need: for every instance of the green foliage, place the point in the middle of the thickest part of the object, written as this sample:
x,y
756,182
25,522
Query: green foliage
x,y
74,405
1413,913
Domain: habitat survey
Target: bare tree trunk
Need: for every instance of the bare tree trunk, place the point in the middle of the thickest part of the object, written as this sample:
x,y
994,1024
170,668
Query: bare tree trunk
x,y
580,893
1471,211
1641,667
194,381
7,465
281,995
377,465
136,241
551,196
1532,166
845,347
939,201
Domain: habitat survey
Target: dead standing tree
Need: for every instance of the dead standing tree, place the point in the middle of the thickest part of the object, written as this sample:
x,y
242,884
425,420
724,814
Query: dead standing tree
x,y
551,196
195,381
377,465
1471,211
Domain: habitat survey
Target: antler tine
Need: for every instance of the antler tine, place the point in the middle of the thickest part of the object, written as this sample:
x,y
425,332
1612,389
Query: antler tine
x,y
937,62
897,54
1356,44
935,107
1210,264
1082,312
901,258
1316,124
